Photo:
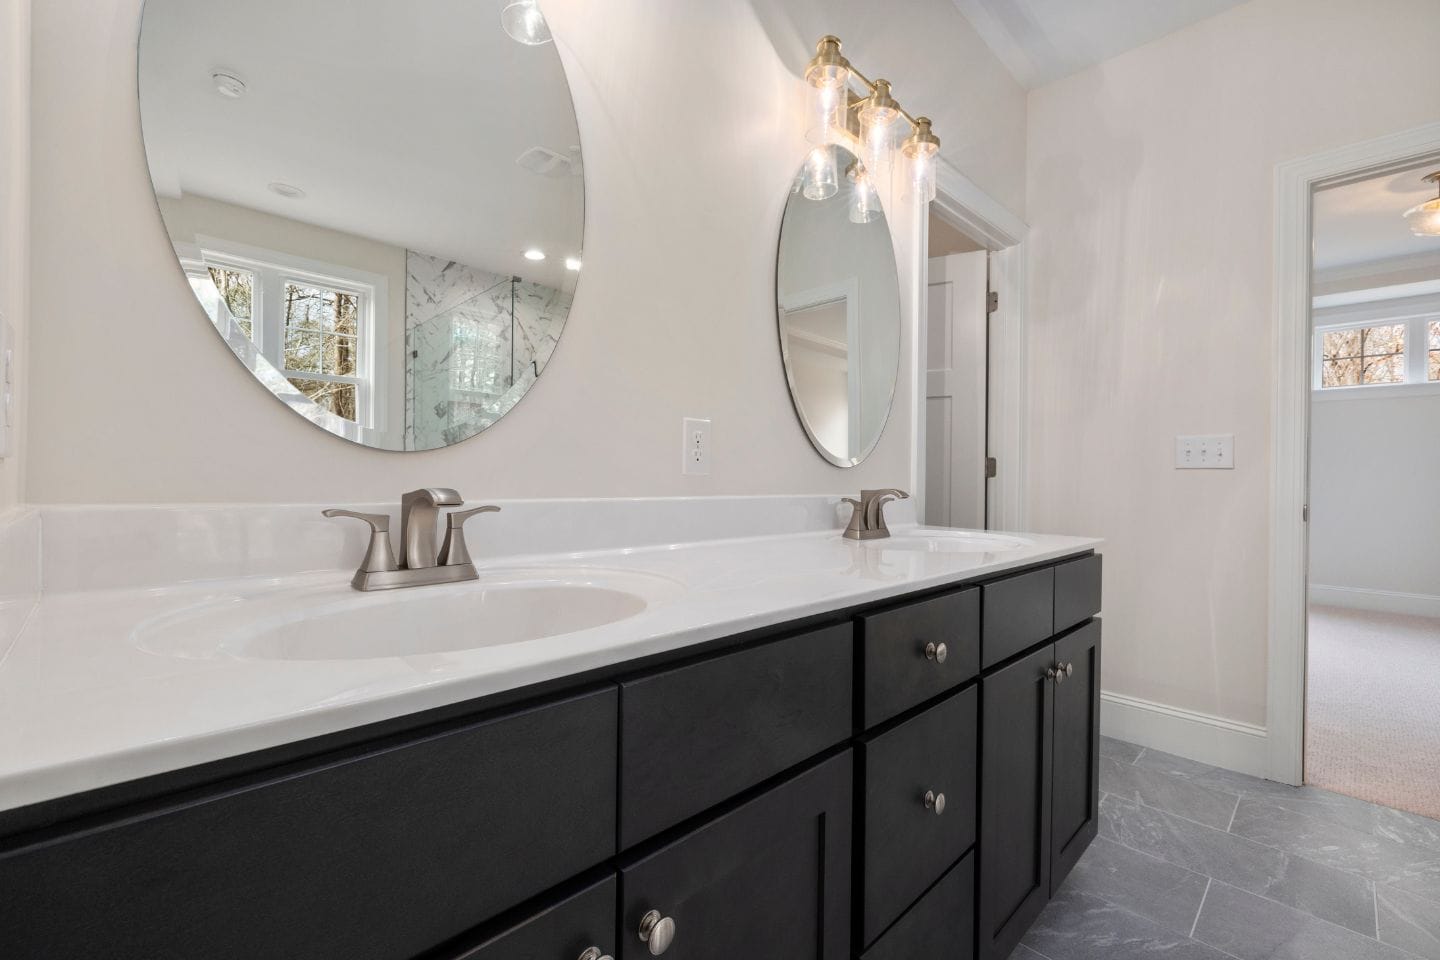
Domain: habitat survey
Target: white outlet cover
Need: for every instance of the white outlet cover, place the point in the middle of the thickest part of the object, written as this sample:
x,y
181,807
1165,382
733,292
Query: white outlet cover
x,y
695,447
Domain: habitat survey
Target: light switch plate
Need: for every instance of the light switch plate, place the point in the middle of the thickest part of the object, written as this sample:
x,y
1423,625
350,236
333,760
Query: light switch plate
x,y
695,448
1209,452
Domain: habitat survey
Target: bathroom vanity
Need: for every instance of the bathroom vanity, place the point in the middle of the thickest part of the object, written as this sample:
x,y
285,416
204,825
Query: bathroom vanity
x,y
900,777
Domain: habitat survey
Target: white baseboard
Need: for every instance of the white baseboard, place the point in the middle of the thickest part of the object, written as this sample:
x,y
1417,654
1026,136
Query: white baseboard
x,y
1186,733
1380,601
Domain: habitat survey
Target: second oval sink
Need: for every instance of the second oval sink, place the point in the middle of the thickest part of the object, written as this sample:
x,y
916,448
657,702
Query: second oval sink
x,y
322,623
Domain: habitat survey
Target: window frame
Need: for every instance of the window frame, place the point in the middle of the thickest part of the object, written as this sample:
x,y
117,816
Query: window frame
x,y
272,270
1417,355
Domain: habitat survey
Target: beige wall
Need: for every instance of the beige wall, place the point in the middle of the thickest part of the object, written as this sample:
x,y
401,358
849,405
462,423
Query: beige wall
x,y
15,217
1151,199
691,116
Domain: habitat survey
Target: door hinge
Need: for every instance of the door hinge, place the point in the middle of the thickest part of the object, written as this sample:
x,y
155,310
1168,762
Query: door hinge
x,y
1305,513
990,468
992,302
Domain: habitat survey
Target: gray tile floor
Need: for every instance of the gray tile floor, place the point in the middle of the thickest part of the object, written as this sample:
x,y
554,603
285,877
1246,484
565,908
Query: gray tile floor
x,y
1199,863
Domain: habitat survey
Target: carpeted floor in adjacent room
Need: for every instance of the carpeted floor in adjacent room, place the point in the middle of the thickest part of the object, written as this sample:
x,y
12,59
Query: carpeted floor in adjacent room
x,y
1372,722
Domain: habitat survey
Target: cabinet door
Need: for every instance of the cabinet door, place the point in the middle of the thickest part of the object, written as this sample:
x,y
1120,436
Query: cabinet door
x,y
1077,749
770,880
1017,714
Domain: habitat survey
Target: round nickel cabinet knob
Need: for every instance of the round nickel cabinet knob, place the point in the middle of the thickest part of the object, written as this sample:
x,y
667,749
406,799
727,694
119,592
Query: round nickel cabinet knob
x,y
936,651
657,932
1069,669
594,953
935,801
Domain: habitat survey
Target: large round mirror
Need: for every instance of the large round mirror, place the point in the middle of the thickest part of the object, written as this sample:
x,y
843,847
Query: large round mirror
x,y
838,300
379,205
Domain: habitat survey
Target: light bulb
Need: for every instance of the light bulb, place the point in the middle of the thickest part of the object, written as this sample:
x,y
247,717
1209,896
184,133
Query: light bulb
x,y
524,22
826,113
822,177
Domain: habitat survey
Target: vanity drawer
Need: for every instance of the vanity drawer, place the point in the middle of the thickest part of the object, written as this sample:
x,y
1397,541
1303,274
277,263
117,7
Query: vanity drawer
x,y
382,854
1077,591
941,925
907,845
562,931
1017,612
898,672
699,734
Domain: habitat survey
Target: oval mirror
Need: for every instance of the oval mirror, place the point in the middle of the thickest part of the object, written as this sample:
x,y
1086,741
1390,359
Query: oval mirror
x,y
838,301
379,205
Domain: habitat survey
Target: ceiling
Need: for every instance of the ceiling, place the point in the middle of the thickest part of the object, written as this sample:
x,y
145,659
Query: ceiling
x,y
402,122
1044,40
1363,222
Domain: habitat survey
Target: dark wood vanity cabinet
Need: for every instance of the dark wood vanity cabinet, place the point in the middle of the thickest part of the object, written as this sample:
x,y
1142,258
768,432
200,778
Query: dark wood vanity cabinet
x,y
911,778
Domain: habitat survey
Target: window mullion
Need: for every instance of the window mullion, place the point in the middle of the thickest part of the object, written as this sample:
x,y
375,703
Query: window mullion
x,y
1415,350
272,318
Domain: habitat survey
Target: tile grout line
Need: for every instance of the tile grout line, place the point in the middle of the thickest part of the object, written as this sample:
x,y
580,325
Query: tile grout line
x,y
1375,899
1200,909
1138,756
1231,825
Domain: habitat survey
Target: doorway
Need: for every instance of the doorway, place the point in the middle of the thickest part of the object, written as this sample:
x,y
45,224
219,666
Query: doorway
x,y
1373,600
956,380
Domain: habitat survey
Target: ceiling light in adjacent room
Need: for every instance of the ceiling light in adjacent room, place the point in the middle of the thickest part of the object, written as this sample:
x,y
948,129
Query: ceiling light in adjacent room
x,y
572,263
228,85
534,254
524,22
287,190
1424,218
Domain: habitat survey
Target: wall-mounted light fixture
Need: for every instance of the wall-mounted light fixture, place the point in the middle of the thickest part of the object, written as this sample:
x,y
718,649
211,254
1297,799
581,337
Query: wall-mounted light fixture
x,y
1424,218
873,117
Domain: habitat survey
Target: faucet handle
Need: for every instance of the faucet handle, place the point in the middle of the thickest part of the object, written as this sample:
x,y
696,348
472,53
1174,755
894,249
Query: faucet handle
x,y
379,557
453,551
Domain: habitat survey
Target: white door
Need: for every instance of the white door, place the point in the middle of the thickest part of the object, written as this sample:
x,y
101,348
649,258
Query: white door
x,y
955,392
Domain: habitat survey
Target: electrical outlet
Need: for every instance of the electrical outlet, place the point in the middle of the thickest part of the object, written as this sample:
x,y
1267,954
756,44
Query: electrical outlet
x,y
695,448
1211,452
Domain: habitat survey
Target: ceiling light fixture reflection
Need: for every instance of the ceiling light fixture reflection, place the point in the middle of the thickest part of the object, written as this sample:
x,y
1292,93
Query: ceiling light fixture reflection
x,y
1424,218
228,85
524,22
534,254
573,264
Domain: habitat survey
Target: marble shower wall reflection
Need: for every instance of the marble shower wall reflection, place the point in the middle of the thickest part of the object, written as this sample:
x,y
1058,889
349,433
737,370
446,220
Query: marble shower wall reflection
x,y
474,343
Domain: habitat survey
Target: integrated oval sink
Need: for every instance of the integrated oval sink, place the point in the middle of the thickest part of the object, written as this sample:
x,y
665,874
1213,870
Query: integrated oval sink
x,y
941,540
326,623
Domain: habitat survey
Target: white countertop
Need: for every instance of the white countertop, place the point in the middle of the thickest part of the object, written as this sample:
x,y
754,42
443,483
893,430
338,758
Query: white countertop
x,y
87,699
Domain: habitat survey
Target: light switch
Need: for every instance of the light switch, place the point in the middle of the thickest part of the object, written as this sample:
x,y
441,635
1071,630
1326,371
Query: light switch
x,y
1210,452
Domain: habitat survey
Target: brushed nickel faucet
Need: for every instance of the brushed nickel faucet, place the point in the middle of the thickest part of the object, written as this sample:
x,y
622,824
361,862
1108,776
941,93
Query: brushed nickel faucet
x,y
867,522
419,563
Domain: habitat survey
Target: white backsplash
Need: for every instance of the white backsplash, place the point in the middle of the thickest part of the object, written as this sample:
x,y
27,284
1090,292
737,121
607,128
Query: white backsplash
x,y
19,572
128,547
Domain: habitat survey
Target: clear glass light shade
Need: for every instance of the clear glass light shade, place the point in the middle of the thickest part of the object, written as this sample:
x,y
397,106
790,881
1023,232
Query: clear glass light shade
x,y
1424,219
822,175
826,113
864,201
524,22
922,175
878,129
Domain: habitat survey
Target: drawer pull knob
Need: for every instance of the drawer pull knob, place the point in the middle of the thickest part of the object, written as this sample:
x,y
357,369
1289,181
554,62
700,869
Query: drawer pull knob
x,y
594,953
1069,669
657,932
935,801
1052,673
937,652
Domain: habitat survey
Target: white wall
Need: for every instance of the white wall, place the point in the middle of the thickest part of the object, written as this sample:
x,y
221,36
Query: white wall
x,y
1374,513
15,217
692,128
1150,193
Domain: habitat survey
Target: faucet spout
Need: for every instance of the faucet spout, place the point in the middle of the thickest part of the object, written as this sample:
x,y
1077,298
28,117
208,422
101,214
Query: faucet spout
x,y
419,510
